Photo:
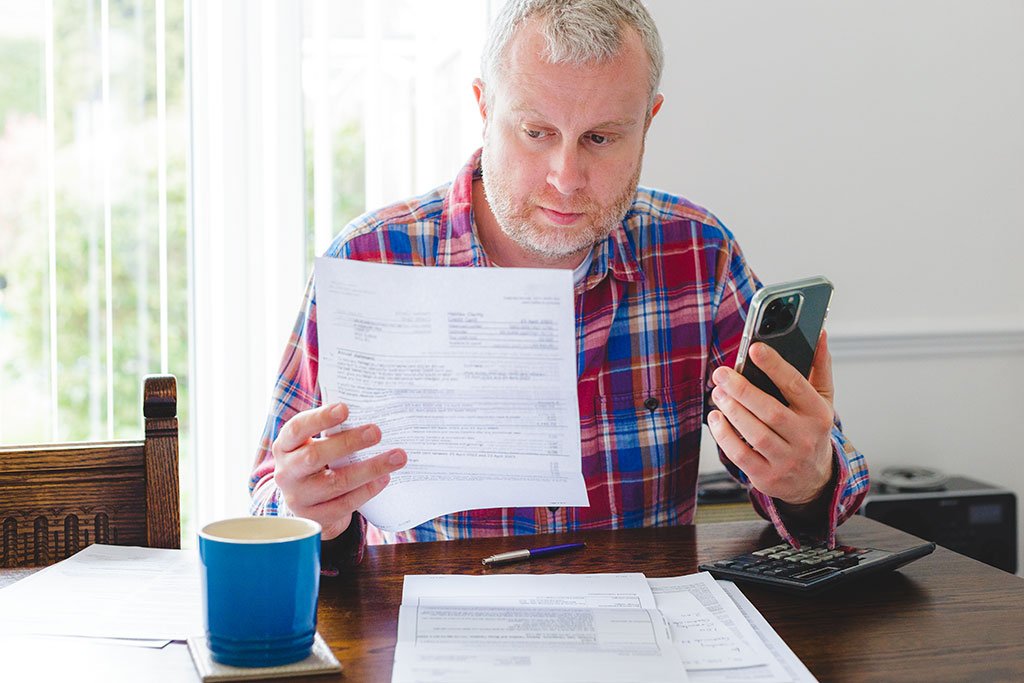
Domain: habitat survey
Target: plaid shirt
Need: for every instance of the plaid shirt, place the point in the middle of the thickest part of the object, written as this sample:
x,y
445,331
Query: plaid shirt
x,y
662,305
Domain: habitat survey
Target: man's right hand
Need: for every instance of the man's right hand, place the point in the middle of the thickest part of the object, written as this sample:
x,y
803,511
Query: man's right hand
x,y
314,490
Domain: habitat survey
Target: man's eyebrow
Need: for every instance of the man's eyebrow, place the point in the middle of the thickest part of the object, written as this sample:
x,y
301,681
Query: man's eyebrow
x,y
617,123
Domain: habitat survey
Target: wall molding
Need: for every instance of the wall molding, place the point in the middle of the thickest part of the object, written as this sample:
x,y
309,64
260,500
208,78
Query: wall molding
x,y
927,343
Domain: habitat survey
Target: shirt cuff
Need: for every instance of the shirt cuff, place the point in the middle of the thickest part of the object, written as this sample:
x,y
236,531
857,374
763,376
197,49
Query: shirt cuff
x,y
345,550
820,525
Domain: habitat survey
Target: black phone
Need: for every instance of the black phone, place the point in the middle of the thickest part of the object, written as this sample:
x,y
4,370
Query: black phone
x,y
788,317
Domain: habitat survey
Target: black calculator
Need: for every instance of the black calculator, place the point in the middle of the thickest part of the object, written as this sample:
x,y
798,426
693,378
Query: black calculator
x,y
811,569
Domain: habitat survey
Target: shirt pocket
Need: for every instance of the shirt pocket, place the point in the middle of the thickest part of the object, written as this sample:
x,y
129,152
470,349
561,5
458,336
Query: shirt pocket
x,y
646,451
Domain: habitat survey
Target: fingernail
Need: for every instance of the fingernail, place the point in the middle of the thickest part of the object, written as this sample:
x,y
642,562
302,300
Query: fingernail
x,y
714,418
397,458
721,376
718,395
370,434
337,410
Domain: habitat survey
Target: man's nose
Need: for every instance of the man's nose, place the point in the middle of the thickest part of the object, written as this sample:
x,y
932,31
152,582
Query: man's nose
x,y
566,172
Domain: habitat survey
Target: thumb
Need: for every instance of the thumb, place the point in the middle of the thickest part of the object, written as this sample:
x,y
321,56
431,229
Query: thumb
x,y
821,370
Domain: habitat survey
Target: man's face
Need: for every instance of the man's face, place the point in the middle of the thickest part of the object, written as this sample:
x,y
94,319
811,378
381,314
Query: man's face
x,y
563,145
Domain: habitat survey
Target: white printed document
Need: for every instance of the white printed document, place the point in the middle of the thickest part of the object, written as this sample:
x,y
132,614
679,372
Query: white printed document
x,y
707,627
563,627
784,664
107,591
471,371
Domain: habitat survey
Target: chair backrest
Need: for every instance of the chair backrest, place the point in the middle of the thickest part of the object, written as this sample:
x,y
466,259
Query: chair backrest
x,y
57,499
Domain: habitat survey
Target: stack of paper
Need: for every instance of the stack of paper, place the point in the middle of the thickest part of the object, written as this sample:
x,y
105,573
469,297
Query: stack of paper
x,y
121,609
585,627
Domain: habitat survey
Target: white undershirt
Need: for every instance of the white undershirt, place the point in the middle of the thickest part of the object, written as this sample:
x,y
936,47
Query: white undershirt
x,y
580,271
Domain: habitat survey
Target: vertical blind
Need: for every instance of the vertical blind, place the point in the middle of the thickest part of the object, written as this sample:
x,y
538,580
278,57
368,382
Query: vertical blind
x,y
92,229
196,156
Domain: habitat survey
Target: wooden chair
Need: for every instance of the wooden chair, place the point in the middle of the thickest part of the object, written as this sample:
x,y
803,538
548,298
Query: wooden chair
x,y
57,499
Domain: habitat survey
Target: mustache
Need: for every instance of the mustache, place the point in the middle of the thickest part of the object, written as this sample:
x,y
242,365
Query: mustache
x,y
575,204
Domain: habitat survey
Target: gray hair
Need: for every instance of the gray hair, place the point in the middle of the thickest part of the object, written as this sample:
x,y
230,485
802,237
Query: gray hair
x,y
576,32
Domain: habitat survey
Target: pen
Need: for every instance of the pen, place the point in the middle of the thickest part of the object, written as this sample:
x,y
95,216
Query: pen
x,y
515,555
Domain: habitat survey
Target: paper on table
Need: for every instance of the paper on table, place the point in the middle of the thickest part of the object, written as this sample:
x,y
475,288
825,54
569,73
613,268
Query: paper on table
x,y
472,371
109,592
784,665
583,627
92,660
708,628
628,589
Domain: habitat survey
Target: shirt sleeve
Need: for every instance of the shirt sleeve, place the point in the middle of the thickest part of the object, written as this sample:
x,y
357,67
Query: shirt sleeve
x,y
297,390
736,285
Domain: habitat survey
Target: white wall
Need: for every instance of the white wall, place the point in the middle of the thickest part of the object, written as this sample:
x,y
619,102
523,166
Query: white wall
x,y
882,144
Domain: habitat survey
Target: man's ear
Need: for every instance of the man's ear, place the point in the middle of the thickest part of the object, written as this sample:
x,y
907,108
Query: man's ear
x,y
481,98
659,99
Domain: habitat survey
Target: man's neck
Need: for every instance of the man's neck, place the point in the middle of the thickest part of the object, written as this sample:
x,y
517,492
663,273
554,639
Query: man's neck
x,y
502,250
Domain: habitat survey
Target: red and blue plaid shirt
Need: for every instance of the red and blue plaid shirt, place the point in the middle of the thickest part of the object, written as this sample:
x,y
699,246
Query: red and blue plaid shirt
x,y
662,305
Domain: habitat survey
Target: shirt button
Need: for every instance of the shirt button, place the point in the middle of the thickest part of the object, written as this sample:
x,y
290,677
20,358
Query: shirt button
x,y
554,510
651,404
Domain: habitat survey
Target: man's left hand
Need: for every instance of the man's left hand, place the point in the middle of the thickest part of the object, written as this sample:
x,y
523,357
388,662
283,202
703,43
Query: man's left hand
x,y
785,451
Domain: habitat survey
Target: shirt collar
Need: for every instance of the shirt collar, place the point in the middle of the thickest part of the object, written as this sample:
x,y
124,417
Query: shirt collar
x,y
459,244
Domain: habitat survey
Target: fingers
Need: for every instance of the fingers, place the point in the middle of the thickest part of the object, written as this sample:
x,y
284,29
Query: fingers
x,y
320,453
821,370
309,424
757,432
791,383
784,450
332,482
313,455
337,512
333,494
737,398
734,447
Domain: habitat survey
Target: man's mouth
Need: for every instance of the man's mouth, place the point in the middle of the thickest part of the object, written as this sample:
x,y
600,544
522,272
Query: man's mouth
x,y
560,218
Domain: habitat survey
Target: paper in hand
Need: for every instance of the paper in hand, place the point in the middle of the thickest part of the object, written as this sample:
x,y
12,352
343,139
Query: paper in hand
x,y
471,371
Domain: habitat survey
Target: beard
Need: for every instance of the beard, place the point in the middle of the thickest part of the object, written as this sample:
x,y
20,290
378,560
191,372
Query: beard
x,y
548,241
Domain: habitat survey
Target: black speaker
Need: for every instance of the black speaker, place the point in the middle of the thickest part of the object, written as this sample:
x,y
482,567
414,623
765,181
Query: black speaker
x,y
967,516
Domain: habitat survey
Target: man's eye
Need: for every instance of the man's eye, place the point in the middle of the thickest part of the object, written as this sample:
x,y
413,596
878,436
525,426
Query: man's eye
x,y
535,134
599,140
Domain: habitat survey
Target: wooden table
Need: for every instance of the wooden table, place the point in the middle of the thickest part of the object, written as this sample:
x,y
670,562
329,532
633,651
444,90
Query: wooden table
x,y
944,617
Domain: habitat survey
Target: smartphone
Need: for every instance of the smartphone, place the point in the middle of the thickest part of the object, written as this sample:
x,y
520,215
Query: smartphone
x,y
787,317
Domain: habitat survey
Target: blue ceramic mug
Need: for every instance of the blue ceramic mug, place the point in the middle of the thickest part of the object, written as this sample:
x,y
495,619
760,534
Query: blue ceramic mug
x,y
261,579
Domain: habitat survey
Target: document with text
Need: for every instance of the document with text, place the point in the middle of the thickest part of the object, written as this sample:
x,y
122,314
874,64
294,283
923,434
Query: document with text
x,y
516,627
707,627
471,371
784,665
147,595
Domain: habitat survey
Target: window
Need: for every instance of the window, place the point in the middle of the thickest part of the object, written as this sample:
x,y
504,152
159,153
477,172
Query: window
x,y
168,170
93,260
304,114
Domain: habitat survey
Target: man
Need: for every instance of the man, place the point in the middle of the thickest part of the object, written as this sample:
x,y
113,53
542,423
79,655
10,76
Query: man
x,y
568,91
